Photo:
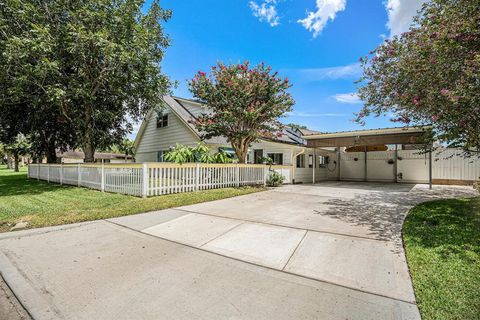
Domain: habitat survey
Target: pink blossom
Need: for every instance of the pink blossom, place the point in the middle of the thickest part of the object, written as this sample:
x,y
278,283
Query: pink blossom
x,y
444,92
416,100
434,118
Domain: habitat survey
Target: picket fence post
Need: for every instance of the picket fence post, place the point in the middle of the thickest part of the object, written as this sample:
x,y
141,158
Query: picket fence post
x,y
265,172
197,176
145,180
48,173
102,184
61,173
237,175
38,171
79,175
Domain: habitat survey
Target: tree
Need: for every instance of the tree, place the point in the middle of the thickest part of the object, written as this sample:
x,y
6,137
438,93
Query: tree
x,y
430,74
20,147
30,76
86,67
245,103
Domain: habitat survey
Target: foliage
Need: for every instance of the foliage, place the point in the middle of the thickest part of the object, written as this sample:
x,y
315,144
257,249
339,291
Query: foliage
x,y
275,179
126,147
200,153
84,69
44,204
476,185
245,103
442,243
19,147
296,126
430,74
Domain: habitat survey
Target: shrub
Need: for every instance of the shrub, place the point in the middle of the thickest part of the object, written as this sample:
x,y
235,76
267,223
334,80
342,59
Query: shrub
x,y
275,179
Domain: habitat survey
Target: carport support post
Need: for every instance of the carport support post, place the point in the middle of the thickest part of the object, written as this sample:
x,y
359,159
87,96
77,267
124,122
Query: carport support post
x,y
313,166
395,164
430,168
339,158
366,168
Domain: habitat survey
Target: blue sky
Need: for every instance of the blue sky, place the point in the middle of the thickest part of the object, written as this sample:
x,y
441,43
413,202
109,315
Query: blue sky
x,y
315,43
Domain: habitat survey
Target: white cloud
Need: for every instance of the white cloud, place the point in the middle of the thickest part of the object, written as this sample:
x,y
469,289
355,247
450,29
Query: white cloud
x,y
266,11
351,97
400,14
310,115
349,71
326,10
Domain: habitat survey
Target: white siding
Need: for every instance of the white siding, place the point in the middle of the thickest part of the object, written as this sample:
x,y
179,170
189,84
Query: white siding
x,y
155,139
304,175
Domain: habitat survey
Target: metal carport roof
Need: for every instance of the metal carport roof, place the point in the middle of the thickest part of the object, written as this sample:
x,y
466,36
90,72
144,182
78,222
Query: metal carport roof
x,y
399,135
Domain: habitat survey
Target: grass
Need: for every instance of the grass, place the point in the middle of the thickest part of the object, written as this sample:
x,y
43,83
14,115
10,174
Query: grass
x,y
46,204
442,242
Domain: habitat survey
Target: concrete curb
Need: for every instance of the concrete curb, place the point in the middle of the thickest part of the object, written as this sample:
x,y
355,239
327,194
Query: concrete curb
x,y
33,302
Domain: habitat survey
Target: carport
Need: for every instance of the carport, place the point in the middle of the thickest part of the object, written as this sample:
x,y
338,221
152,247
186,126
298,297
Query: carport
x,y
368,140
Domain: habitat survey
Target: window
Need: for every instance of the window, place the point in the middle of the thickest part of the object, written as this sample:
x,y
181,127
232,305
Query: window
x,y
322,161
310,160
301,161
161,155
162,120
277,158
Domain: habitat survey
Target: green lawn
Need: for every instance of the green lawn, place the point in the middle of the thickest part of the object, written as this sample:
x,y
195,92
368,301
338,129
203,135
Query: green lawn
x,y
43,204
442,242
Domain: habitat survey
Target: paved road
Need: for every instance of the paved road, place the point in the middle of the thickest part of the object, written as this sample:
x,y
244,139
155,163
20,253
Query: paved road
x,y
329,251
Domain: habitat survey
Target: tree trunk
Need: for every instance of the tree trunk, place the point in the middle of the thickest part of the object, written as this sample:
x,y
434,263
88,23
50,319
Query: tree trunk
x,y
241,151
9,161
87,145
16,161
89,151
51,154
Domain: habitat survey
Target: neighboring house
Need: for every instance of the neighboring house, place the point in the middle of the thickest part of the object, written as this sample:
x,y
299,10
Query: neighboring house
x,y
74,156
160,132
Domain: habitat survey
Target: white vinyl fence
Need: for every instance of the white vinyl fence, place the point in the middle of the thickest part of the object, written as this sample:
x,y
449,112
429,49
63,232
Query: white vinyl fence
x,y
149,179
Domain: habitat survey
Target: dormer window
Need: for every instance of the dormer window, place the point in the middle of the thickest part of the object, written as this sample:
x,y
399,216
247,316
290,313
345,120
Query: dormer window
x,y
162,120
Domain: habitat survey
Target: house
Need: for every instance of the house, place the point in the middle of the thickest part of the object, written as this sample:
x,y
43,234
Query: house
x,y
160,132
384,155
75,156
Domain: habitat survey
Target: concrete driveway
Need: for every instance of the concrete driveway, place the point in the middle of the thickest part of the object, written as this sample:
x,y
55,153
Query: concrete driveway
x,y
327,251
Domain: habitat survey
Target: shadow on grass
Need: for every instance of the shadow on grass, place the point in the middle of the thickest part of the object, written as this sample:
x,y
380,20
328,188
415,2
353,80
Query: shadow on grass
x,y
452,226
16,183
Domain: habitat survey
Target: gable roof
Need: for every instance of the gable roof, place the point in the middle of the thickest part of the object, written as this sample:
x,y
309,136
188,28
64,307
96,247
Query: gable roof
x,y
180,107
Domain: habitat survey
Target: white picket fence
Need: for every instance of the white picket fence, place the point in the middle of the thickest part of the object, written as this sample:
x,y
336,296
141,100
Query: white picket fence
x,y
152,179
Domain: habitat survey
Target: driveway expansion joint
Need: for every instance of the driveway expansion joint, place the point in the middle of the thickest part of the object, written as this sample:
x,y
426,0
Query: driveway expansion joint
x,y
266,267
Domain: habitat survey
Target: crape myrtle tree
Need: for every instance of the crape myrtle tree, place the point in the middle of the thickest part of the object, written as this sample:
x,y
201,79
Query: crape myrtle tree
x,y
244,103
430,74
78,72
